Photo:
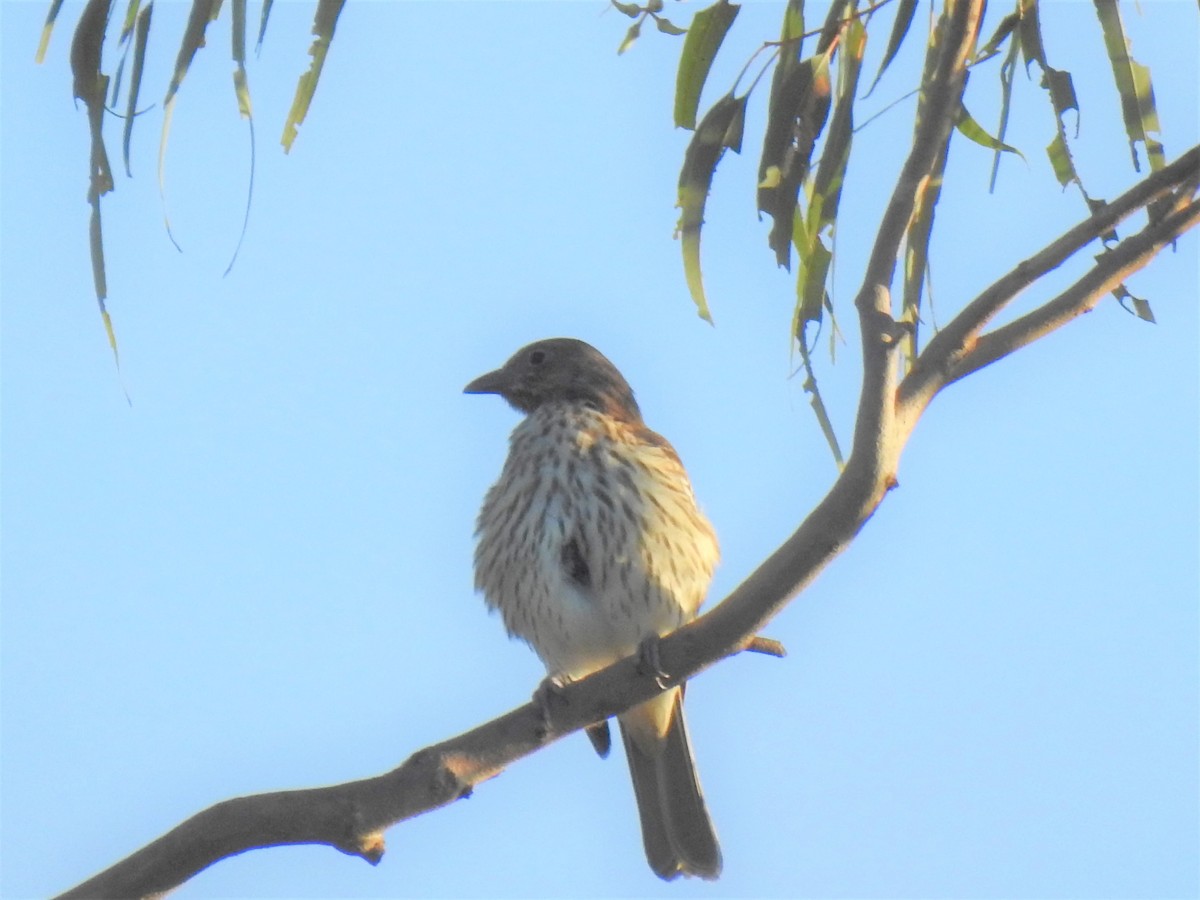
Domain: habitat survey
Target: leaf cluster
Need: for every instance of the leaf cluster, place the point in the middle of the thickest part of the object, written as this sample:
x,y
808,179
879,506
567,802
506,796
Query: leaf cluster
x,y
815,90
99,86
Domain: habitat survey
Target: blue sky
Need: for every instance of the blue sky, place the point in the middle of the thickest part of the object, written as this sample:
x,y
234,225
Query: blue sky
x,y
258,576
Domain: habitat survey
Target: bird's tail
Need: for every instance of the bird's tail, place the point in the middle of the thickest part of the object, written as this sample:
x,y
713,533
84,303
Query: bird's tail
x,y
676,829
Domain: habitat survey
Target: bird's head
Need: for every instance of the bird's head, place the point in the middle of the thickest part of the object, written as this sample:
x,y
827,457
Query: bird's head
x,y
560,370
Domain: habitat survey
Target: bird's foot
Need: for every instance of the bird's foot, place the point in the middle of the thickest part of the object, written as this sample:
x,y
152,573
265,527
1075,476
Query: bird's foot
x,y
548,695
650,663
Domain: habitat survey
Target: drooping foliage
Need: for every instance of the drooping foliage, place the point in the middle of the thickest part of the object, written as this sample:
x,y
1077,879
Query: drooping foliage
x,y
99,85
810,126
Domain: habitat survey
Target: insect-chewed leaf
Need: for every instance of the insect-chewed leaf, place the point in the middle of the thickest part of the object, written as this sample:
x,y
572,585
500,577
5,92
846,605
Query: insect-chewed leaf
x,y
1060,160
904,17
799,106
704,37
1133,84
1030,30
718,129
324,24
1062,90
971,129
1141,307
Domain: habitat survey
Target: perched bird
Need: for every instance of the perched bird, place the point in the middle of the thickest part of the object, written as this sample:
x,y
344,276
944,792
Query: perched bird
x,y
590,545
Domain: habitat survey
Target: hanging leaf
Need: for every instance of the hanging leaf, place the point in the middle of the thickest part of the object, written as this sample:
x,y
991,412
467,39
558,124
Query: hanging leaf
x,y
904,17
818,405
1030,29
1007,70
203,12
1061,161
324,24
629,9
969,128
91,86
140,37
47,28
1133,84
262,25
630,37
131,11
814,257
1141,308
667,27
1006,27
720,128
704,37
241,87
796,115
1062,91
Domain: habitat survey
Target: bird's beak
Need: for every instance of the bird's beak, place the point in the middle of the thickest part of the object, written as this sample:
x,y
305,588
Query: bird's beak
x,y
491,383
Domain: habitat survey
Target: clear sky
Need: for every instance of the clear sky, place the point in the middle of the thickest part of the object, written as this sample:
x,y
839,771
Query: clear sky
x,y
258,576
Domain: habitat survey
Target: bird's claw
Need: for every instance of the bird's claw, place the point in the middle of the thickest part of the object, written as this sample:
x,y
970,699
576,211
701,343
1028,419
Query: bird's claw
x,y
548,694
650,663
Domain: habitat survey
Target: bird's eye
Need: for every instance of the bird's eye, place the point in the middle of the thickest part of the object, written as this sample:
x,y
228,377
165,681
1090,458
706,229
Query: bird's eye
x,y
537,357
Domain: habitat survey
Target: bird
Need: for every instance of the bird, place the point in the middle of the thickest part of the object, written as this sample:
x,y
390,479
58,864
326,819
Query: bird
x,y
591,546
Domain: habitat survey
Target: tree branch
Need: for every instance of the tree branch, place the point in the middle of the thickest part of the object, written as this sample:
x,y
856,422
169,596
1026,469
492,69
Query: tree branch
x,y
946,351
877,443
1111,270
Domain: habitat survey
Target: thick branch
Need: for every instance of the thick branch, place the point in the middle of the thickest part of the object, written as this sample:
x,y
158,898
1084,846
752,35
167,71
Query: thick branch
x,y
877,443
1111,270
945,352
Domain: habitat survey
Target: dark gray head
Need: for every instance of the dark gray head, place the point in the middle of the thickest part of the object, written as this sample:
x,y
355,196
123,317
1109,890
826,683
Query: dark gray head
x,y
560,370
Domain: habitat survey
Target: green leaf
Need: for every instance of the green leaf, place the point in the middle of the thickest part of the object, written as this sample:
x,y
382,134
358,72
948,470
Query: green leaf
x,y
629,9
719,129
904,17
1133,84
818,405
630,36
1007,69
1030,31
140,37
796,115
324,24
1006,27
972,130
91,86
814,257
241,87
666,27
203,12
47,28
1060,160
704,37
1141,308
1062,90
262,24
